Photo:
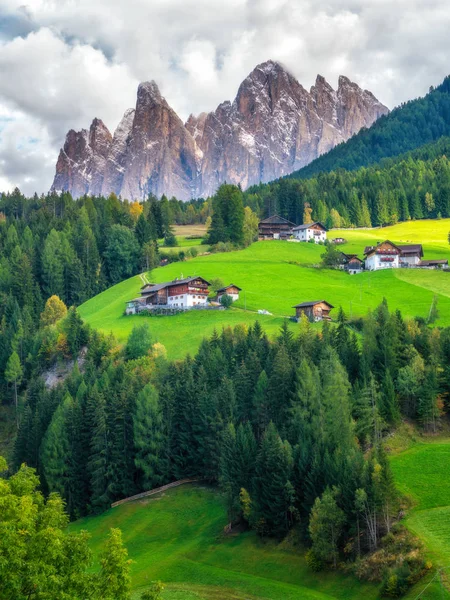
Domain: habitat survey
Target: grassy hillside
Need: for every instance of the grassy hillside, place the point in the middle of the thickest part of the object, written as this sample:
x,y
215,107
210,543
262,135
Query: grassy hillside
x,y
277,275
422,473
178,538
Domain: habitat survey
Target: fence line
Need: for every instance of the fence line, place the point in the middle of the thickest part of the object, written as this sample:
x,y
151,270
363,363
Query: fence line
x,y
154,491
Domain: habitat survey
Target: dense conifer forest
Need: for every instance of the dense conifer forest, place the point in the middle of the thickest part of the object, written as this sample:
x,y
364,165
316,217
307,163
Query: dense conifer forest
x,y
412,186
291,429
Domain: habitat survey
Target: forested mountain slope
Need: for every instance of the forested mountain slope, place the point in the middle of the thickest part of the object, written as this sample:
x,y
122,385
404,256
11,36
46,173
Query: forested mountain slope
x,y
407,127
414,185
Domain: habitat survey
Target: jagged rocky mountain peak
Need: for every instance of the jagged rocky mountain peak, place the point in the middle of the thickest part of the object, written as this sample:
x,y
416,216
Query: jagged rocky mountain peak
x,y
148,93
272,127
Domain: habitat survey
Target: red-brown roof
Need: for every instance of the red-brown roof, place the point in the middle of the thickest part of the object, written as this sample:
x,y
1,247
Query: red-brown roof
x,y
313,303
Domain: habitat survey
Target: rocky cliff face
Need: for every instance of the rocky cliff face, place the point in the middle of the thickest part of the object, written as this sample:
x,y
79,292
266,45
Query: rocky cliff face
x,y
273,127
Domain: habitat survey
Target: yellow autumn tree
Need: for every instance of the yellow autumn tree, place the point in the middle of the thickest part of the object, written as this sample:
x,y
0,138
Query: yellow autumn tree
x,y
54,310
136,209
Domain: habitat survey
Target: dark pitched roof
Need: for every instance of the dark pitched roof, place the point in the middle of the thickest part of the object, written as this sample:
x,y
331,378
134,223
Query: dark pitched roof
x,y
348,256
353,258
313,303
411,249
369,249
228,287
150,289
276,220
308,225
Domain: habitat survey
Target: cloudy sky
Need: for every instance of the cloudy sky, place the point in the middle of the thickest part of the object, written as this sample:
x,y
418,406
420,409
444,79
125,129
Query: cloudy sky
x,y
63,62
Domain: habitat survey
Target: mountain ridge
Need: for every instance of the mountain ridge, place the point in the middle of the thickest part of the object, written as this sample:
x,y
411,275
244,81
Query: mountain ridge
x,y
273,126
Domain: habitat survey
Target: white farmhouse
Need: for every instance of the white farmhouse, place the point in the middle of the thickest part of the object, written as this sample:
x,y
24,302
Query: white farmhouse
x,y
181,294
383,256
310,231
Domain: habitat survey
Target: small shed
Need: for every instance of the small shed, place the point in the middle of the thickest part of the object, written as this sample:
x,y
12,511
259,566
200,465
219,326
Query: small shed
x,y
317,310
229,290
439,263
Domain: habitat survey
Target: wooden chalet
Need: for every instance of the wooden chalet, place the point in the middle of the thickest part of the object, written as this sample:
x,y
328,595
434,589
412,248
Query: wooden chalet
x,y
275,228
229,290
383,256
317,310
338,240
180,294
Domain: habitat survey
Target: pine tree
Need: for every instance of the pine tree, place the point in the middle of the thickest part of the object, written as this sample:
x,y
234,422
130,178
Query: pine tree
x,y
272,473
56,449
389,408
149,439
99,460
53,266
261,405
14,374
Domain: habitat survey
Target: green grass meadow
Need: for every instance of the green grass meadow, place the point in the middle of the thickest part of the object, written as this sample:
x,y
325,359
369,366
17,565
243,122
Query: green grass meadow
x,y
178,538
275,275
423,474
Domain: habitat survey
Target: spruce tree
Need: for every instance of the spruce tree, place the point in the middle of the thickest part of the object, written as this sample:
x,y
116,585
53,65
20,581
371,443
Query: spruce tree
x,y
149,439
272,473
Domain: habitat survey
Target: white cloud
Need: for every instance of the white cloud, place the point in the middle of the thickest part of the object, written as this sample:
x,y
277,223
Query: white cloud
x,y
63,62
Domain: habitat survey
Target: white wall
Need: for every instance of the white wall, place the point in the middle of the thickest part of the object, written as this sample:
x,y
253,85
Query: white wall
x,y
374,262
186,300
234,297
410,260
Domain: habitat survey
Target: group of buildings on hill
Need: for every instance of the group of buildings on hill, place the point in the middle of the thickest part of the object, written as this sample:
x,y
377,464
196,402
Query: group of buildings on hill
x,y
384,255
178,295
387,255
278,228
193,292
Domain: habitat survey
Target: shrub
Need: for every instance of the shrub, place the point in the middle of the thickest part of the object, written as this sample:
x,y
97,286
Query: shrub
x,y
313,562
226,301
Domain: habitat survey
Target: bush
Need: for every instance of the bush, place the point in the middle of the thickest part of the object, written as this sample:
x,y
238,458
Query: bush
x,y
226,301
170,240
314,563
193,252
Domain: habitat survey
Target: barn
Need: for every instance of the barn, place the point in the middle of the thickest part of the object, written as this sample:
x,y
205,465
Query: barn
x,y
316,310
275,228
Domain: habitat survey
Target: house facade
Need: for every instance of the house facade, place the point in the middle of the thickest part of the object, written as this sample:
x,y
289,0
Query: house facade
x,y
317,310
410,255
310,231
354,265
275,228
229,290
385,255
180,293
